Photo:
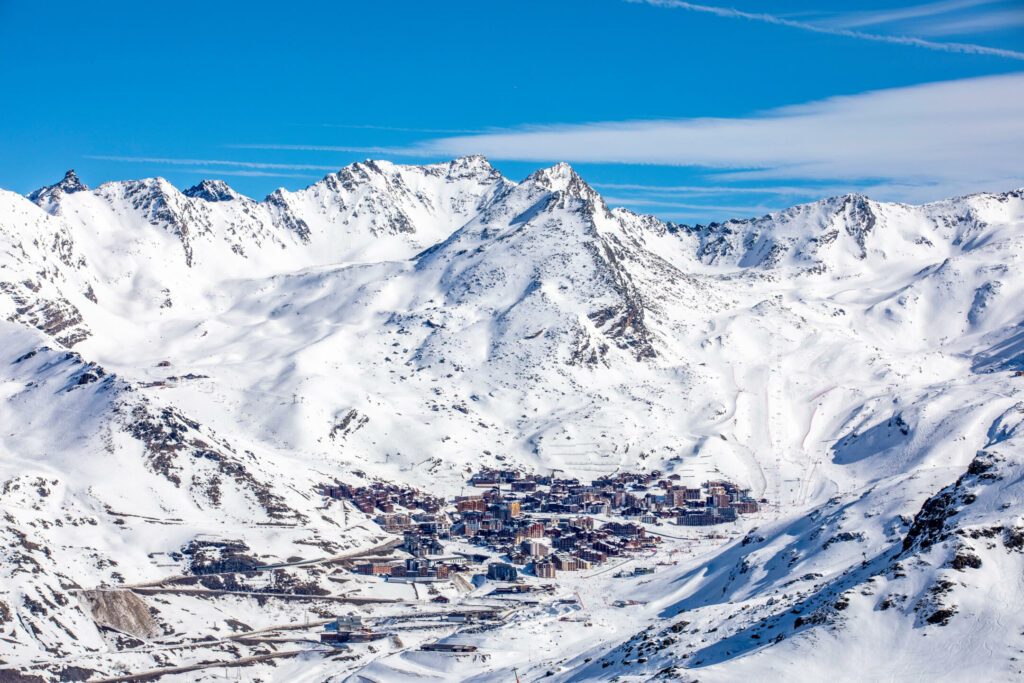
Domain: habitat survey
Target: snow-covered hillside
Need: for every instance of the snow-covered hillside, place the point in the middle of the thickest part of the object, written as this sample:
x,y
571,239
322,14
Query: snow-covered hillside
x,y
183,370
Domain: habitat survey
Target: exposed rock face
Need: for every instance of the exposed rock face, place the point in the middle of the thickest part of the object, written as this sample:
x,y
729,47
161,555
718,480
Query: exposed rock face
x,y
57,317
120,610
211,191
51,194
175,448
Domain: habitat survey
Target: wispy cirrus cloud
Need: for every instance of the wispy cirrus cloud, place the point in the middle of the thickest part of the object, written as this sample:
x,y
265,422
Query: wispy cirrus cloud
x,y
348,149
730,13
230,164
944,18
402,129
979,23
924,140
216,172
860,19
697,209
705,190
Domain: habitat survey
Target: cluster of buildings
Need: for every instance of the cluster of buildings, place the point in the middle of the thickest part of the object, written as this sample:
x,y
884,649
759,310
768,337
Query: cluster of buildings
x,y
718,502
414,569
549,524
537,523
384,497
648,497
349,629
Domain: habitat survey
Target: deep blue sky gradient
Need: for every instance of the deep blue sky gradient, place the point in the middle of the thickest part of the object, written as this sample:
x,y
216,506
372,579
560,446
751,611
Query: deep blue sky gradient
x,y
190,79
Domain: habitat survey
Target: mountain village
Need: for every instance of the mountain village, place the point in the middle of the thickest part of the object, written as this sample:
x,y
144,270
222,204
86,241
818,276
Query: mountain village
x,y
524,527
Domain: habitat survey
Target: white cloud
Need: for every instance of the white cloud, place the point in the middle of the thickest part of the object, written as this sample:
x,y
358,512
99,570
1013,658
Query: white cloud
x,y
217,172
960,25
400,129
730,13
944,18
216,162
695,209
947,137
321,148
704,190
888,16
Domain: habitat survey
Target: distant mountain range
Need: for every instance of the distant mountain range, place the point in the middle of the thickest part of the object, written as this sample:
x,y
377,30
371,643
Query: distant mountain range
x,y
182,366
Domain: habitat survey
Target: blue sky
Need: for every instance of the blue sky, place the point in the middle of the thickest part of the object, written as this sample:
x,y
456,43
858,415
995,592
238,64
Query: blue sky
x,y
693,112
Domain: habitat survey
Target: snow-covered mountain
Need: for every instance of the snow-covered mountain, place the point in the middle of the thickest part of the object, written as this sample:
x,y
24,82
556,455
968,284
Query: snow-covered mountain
x,y
184,369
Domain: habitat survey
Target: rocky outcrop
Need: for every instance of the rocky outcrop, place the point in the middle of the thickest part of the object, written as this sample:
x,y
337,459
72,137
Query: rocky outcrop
x,y
120,610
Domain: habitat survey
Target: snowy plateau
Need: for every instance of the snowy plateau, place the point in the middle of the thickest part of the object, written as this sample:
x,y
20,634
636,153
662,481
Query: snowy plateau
x,y
181,372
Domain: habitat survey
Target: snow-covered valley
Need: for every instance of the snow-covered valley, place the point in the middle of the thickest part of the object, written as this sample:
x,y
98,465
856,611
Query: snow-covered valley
x,y
186,369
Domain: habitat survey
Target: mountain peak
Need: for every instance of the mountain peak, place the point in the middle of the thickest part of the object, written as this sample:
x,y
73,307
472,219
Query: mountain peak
x,y
212,191
472,159
562,178
474,166
69,184
471,166
560,171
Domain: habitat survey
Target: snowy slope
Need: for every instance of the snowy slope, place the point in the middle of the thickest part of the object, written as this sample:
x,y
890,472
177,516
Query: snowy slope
x,y
183,367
